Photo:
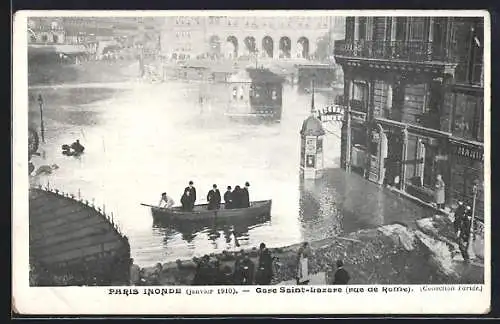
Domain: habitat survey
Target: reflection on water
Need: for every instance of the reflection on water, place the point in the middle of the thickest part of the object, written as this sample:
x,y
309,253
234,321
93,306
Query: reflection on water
x,y
232,232
146,140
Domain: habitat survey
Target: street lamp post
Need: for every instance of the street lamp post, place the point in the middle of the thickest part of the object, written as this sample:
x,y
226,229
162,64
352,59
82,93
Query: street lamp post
x,y
256,51
42,128
472,235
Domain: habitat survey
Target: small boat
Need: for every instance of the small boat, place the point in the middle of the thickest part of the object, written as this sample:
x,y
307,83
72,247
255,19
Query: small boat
x,y
70,151
257,208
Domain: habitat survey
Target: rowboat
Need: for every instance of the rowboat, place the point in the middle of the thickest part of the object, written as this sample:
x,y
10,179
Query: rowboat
x,y
200,212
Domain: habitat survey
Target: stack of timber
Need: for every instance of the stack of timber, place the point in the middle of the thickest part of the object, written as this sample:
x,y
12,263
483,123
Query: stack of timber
x,y
74,244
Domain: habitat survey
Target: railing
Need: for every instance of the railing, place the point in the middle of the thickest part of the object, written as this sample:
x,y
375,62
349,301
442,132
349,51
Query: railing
x,y
413,51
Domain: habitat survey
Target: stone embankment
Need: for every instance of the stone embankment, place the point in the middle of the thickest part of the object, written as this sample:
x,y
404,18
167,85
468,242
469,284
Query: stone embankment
x,y
390,254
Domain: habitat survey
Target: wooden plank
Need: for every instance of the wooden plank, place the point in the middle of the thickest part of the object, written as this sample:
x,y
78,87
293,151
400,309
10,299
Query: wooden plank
x,y
73,217
77,244
39,233
75,234
112,245
48,216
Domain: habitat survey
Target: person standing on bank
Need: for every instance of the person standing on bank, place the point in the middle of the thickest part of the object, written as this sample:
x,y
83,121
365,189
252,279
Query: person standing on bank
x,y
134,273
459,215
228,198
245,270
245,196
464,234
213,198
341,276
303,264
192,194
439,192
265,266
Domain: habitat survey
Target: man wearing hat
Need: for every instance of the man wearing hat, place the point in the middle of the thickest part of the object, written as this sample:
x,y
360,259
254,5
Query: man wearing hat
x,y
213,198
245,196
192,194
228,198
464,233
459,215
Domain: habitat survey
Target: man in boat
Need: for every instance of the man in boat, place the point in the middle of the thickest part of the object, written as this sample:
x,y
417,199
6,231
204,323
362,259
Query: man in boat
x,y
77,147
265,266
245,196
213,198
236,195
186,200
192,193
166,201
228,198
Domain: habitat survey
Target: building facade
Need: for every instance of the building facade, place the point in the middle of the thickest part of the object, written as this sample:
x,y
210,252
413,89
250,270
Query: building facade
x,y
413,88
239,37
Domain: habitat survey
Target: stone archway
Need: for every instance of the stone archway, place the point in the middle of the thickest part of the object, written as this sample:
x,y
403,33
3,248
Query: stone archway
x,y
303,48
250,45
215,46
232,43
285,47
268,46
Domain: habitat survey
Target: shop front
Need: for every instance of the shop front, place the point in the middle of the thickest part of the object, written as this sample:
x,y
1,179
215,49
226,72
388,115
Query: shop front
x,y
426,159
467,169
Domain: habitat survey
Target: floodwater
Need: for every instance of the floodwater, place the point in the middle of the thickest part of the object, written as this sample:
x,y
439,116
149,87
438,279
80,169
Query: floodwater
x,y
145,139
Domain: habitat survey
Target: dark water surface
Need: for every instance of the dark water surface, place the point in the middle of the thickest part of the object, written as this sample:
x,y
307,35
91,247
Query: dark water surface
x,y
146,139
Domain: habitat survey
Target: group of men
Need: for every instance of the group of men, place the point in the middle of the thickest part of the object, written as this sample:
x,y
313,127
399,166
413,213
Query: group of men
x,y
462,226
244,271
237,198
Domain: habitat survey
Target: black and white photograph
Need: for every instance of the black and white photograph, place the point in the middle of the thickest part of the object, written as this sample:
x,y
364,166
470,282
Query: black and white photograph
x,y
280,150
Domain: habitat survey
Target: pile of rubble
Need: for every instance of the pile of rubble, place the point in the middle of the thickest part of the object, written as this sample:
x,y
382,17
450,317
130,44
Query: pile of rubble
x,y
391,254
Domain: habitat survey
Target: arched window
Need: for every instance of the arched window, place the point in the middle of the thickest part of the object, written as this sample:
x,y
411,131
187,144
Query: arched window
x,y
242,93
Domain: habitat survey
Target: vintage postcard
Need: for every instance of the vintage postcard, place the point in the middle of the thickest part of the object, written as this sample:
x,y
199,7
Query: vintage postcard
x,y
251,162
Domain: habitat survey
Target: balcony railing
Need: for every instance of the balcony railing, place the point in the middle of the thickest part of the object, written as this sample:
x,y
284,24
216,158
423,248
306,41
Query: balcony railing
x,y
413,51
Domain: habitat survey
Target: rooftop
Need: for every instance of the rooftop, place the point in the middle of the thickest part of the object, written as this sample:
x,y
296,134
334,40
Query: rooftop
x,y
312,126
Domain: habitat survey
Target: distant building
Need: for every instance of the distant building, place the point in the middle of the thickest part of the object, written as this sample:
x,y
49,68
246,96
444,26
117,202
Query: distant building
x,y
46,32
415,89
243,37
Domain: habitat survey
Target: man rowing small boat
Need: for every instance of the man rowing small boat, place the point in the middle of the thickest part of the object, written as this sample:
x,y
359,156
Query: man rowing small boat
x,y
166,201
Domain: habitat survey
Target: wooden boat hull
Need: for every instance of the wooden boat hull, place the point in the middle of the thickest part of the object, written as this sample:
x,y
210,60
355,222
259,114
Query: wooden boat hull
x,y
201,212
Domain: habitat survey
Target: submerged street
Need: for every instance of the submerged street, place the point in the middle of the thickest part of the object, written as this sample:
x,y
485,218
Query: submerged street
x,y
144,139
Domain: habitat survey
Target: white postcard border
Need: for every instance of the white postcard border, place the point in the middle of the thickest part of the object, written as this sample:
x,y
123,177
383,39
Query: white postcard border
x,y
97,300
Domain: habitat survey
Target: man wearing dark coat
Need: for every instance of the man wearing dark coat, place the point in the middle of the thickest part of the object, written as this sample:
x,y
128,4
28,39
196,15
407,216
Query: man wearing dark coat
x,y
237,197
459,215
464,234
192,194
341,276
245,196
245,271
228,198
186,200
265,266
213,198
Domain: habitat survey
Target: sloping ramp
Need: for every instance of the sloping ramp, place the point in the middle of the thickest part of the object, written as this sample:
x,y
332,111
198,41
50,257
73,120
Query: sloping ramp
x,y
72,239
